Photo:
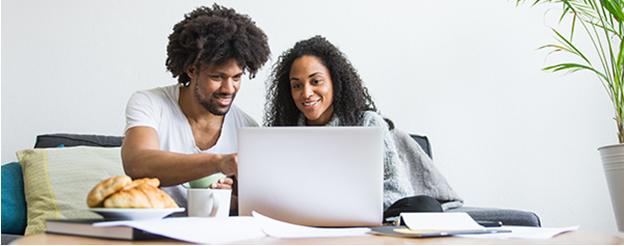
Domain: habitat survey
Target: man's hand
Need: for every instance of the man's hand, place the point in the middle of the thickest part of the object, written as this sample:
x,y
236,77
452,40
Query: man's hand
x,y
229,164
224,183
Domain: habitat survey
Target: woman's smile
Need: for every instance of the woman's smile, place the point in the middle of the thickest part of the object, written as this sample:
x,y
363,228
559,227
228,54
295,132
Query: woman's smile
x,y
309,105
312,90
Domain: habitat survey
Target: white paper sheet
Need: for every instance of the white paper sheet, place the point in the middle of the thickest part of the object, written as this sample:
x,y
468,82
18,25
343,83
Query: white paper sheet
x,y
525,232
201,230
280,229
463,221
440,222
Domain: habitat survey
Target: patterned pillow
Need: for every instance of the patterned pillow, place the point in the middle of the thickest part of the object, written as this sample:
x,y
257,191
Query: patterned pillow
x,y
57,181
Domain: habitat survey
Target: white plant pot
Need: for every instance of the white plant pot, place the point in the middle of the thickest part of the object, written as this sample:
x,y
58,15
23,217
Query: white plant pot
x,y
613,164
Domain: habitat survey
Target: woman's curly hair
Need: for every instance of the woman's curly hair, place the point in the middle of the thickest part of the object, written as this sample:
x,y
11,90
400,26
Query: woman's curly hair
x,y
351,97
212,36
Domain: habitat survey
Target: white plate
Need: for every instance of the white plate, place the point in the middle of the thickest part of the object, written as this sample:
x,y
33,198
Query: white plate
x,y
135,213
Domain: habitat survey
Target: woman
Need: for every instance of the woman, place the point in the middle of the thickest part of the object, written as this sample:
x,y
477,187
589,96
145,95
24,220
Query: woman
x,y
313,84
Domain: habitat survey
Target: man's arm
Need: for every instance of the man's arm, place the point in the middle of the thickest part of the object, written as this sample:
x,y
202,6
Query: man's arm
x,y
142,157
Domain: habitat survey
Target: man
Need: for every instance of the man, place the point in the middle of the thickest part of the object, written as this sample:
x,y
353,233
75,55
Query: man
x,y
187,131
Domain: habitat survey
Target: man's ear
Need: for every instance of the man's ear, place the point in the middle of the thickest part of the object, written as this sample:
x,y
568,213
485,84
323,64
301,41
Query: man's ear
x,y
190,71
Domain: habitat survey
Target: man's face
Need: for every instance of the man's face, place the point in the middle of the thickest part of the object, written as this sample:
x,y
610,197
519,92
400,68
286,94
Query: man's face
x,y
215,87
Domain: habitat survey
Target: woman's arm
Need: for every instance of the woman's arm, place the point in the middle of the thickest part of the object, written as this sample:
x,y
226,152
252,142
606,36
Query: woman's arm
x,y
396,182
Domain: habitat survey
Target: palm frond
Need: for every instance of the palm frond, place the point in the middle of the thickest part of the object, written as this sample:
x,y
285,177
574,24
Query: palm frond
x,y
573,67
602,22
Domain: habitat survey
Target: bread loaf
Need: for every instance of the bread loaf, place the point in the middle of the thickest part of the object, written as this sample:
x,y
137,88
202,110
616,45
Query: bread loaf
x,y
157,197
105,188
153,182
128,198
122,192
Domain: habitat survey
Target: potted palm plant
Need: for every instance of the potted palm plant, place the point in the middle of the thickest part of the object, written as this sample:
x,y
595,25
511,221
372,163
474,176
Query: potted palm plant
x,y
601,21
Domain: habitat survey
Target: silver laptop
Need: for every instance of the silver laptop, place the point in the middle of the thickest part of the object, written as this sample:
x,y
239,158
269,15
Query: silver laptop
x,y
314,176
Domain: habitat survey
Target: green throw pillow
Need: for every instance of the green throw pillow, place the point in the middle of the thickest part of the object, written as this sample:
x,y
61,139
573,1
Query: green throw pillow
x,y
57,181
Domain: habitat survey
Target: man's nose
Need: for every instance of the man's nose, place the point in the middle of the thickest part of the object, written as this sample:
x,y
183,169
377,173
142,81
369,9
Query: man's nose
x,y
227,86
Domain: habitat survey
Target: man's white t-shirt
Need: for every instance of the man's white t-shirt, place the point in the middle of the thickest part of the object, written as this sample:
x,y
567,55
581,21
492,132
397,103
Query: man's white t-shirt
x,y
158,108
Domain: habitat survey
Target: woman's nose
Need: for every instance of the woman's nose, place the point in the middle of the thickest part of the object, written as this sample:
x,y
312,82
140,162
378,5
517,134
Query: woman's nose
x,y
307,91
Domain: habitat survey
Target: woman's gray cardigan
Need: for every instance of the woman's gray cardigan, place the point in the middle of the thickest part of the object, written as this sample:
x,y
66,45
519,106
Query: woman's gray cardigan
x,y
408,171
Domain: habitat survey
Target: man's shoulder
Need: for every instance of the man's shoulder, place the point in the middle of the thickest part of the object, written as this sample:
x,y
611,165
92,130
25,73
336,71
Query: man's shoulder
x,y
235,110
241,117
166,90
157,94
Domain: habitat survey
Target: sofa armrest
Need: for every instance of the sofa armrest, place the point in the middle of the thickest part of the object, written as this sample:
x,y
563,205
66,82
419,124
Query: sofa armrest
x,y
13,199
8,238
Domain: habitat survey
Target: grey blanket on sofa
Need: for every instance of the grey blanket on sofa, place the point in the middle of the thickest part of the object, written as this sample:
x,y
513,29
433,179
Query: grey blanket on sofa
x,y
425,178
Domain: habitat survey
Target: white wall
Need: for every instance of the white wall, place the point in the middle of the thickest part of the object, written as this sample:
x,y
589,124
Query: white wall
x,y
465,73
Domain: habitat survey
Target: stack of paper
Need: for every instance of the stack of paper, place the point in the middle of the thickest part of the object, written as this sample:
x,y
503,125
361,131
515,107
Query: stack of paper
x,y
436,225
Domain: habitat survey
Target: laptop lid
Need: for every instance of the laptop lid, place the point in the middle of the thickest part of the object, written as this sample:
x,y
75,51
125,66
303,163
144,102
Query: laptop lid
x,y
314,176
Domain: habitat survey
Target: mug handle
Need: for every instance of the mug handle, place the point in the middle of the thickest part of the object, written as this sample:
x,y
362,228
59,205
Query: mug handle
x,y
216,200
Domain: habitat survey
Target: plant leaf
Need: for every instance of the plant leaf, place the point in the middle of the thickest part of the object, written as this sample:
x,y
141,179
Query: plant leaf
x,y
574,67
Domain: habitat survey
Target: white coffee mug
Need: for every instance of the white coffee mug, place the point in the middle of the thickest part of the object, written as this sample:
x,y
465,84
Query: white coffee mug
x,y
209,202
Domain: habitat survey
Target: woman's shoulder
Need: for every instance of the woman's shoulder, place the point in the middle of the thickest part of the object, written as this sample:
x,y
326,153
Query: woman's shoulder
x,y
371,118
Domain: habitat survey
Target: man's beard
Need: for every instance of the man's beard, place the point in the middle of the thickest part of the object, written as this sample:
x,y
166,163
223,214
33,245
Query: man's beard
x,y
213,107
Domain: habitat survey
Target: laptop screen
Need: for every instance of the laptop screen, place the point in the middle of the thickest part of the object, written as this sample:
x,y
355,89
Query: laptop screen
x,y
314,176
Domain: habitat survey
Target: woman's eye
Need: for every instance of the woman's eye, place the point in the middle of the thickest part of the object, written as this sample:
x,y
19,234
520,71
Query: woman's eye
x,y
316,81
296,86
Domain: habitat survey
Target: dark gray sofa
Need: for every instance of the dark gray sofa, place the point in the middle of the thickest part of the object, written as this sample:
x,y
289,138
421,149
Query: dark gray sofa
x,y
14,205
506,216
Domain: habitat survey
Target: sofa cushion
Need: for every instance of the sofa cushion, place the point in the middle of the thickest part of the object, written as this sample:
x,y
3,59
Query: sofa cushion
x,y
57,181
13,200
70,140
507,216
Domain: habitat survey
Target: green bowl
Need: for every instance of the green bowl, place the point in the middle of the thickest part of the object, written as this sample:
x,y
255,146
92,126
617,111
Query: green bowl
x,y
206,182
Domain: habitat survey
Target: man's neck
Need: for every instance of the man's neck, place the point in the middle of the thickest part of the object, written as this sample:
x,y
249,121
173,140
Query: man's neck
x,y
206,126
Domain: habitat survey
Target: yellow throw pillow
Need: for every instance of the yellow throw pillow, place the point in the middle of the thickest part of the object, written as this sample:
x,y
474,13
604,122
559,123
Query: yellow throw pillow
x,y
57,181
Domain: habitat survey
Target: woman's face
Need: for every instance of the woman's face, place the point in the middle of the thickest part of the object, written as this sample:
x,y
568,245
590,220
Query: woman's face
x,y
312,90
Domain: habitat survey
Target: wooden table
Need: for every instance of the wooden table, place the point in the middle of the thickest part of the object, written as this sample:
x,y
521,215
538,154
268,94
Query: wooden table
x,y
576,237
